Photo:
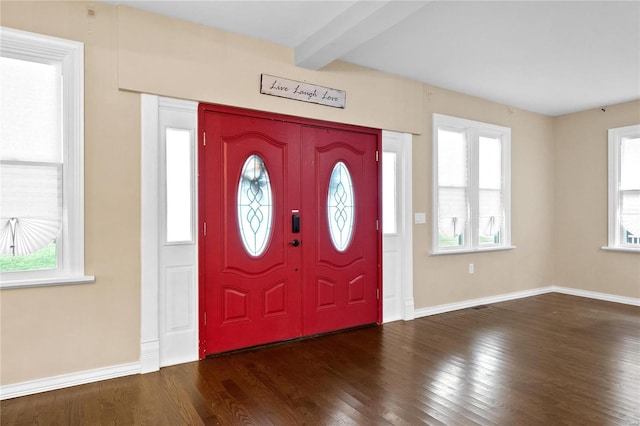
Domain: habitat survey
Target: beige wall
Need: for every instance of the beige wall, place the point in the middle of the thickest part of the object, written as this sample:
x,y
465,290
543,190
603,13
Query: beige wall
x,y
581,204
174,58
445,279
57,330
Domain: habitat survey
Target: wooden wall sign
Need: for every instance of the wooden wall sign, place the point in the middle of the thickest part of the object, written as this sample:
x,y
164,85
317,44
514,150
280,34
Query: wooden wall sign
x,y
299,91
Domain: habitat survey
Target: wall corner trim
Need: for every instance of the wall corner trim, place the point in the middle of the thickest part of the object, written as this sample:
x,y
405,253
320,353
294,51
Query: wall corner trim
x,y
596,295
150,356
409,310
68,380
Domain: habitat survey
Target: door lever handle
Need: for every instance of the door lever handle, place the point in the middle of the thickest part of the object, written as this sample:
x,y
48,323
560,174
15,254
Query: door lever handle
x,y
295,243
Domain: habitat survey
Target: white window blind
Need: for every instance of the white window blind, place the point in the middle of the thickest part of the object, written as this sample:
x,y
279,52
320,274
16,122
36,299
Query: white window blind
x,y
31,124
490,206
31,154
452,183
31,206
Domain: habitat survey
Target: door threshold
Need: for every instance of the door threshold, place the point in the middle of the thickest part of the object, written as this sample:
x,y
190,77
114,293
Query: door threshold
x,y
292,340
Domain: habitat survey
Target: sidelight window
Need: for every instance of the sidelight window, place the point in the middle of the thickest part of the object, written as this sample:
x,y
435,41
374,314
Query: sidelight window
x,y
255,206
178,180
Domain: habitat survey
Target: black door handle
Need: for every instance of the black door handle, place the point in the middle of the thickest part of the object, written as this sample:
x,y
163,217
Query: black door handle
x,y
295,243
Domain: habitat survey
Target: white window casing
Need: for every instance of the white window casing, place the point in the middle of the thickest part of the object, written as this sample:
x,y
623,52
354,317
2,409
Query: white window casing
x,y
69,56
471,186
624,189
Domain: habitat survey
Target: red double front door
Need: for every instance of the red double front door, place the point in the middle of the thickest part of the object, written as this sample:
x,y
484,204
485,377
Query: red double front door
x,y
289,241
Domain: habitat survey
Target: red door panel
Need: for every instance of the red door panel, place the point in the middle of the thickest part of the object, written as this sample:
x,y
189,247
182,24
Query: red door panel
x,y
339,285
248,300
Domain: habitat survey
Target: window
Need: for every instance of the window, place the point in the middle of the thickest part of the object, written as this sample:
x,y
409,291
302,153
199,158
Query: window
x,y
389,198
624,188
41,159
471,186
255,205
178,184
340,207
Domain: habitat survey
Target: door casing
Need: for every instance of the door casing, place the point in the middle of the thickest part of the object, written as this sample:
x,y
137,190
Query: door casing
x,y
151,309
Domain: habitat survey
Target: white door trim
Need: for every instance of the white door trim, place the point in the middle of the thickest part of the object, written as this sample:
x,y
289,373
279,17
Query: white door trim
x,y
406,208
402,143
152,310
149,236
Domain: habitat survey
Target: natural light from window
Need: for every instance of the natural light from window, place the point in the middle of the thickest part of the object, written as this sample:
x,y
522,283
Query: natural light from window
x,y
389,196
31,154
178,185
471,186
41,160
630,189
624,189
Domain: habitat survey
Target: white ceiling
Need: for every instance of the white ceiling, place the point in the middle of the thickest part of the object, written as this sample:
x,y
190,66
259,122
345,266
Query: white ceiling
x,y
551,57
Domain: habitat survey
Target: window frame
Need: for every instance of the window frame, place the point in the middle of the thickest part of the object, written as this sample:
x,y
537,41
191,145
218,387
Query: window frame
x,y
472,130
615,238
69,54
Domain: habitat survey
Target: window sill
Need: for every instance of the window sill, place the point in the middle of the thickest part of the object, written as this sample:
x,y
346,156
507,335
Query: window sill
x,y
467,251
623,249
49,281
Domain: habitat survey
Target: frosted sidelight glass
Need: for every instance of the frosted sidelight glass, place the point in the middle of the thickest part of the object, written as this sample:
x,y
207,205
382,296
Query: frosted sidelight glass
x,y
389,196
179,186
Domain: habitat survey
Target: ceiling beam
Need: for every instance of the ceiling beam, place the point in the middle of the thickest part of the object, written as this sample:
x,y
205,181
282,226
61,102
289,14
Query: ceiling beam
x,y
353,27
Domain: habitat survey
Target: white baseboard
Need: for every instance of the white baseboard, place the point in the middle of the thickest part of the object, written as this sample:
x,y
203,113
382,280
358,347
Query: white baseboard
x,y
68,380
440,309
596,295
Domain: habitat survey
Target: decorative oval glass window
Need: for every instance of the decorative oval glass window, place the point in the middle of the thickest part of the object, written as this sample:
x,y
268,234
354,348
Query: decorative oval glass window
x,y
340,206
255,206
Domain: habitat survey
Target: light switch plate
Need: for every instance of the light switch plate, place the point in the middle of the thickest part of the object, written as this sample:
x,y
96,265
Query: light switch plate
x,y
420,218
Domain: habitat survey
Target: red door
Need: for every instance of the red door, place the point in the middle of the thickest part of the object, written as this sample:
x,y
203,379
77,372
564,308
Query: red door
x,y
261,279
340,252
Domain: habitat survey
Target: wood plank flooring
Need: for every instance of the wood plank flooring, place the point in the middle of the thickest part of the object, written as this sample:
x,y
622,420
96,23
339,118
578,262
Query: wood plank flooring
x,y
546,360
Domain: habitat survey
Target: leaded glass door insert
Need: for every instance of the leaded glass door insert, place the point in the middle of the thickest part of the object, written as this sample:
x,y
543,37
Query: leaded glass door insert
x,y
255,208
340,206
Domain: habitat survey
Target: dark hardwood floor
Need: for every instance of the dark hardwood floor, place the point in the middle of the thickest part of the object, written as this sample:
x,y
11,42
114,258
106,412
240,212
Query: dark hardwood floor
x,y
547,360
